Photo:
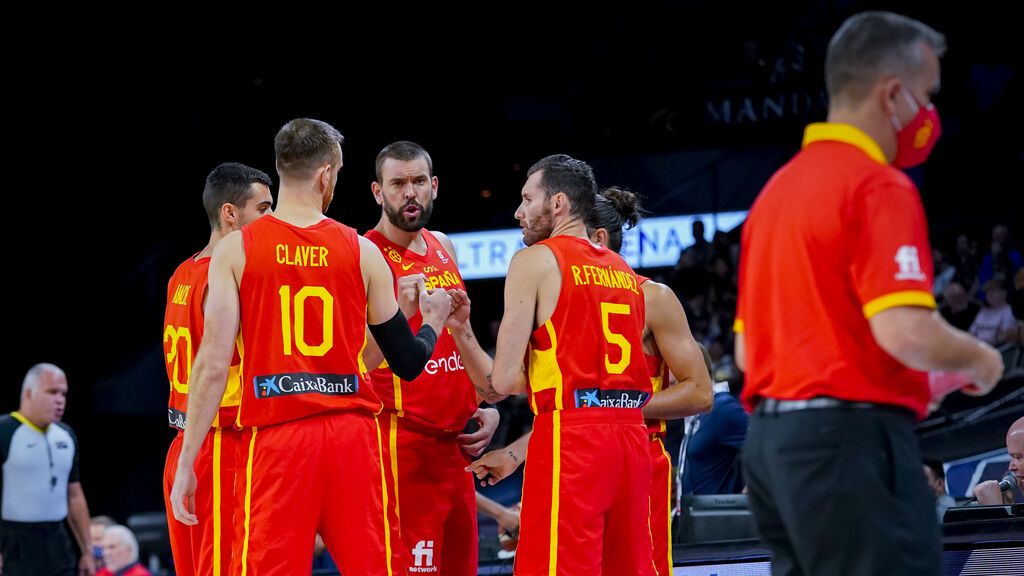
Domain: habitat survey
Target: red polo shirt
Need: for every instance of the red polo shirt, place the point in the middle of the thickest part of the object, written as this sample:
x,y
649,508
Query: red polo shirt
x,y
836,236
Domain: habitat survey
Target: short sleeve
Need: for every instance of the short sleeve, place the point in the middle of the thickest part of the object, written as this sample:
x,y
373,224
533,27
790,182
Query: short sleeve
x,y
73,474
892,261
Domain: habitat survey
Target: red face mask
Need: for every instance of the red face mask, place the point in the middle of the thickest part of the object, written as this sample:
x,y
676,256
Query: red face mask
x,y
914,142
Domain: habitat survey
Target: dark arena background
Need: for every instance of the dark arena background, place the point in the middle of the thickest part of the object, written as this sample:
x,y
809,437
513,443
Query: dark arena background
x,y
111,130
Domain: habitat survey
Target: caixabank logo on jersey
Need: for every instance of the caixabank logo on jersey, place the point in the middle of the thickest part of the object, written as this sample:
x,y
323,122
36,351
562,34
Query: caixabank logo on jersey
x,y
597,398
290,384
176,418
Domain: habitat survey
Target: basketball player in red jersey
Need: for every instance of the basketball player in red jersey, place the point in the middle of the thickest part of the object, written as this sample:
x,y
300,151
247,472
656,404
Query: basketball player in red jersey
x,y
298,290
667,344
670,350
422,419
234,195
575,310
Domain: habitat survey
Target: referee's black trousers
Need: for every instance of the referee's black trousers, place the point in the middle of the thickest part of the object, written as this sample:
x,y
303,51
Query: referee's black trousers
x,y
37,549
841,491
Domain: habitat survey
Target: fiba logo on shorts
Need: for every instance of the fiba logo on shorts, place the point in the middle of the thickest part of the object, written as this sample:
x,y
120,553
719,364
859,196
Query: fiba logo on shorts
x,y
273,385
597,398
423,557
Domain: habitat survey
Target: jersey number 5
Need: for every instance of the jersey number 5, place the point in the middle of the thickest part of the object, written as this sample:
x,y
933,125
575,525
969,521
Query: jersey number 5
x,y
607,309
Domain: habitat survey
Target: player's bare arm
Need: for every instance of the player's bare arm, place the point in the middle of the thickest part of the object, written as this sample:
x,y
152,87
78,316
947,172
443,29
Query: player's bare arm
x,y
522,289
210,372
479,365
668,325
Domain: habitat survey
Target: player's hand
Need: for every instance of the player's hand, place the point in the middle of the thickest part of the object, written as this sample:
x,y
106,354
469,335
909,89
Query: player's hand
x,y
408,293
183,496
460,314
495,466
473,444
508,527
435,305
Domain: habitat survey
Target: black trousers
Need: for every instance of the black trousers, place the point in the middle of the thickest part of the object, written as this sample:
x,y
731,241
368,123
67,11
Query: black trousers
x,y
37,549
841,491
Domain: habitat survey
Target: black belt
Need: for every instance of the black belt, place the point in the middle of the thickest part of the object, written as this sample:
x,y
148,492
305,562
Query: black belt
x,y
776,406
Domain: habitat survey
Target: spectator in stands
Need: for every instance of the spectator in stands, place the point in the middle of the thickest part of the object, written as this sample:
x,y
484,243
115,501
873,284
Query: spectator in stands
x,y
723,284
723,247
121,553
98,525
988,492
995,323
701,248
1017,302
944,272
966,262
690,279
1002,261
957,307
722,365
936,476
711,455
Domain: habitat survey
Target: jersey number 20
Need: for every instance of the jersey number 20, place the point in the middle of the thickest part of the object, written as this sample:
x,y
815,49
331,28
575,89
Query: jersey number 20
x,y
176,355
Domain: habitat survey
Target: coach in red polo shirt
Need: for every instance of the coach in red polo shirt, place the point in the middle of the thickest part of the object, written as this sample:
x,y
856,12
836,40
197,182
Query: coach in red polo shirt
x,y
836,323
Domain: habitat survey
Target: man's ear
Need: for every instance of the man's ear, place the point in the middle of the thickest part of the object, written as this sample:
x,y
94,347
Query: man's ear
x,y
890,91
229,214
325,176
560,202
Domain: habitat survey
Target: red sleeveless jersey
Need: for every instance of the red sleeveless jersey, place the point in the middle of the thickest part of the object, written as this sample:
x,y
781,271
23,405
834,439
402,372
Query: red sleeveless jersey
x,y
442,397
658,371
303,322
183,330
589,354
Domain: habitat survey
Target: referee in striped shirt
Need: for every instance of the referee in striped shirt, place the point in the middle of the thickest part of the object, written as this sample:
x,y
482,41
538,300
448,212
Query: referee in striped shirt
x,y
40,486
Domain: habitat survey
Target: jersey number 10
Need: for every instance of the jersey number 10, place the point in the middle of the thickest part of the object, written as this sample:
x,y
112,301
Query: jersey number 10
x,y
293,320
